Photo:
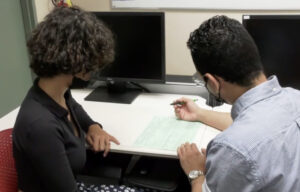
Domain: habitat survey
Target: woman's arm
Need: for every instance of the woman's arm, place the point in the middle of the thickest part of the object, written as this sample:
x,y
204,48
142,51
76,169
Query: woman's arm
x,y
95,135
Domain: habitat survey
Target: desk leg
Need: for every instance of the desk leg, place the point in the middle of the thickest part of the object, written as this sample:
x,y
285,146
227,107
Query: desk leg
x,y
134,159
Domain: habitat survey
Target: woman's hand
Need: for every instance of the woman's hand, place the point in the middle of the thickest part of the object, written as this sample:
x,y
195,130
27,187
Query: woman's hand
x,y
188,111
100,139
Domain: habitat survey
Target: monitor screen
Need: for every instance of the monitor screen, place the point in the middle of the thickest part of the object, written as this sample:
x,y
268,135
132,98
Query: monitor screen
x,y
278,41
140,46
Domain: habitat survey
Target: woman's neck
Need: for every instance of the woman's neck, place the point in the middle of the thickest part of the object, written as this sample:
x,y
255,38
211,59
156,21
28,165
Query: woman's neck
x,y
56,87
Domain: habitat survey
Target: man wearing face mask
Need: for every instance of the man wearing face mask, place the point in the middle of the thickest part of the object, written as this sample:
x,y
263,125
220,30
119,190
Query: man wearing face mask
x,y
259,148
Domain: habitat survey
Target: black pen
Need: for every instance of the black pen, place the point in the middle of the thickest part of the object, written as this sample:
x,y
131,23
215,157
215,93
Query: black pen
x,y
181,102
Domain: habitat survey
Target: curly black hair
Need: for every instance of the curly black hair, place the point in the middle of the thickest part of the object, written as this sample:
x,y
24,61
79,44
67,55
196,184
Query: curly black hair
x,y
70,41
222,46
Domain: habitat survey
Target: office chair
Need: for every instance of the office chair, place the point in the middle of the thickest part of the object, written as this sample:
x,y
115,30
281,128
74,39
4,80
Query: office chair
x,y
8,173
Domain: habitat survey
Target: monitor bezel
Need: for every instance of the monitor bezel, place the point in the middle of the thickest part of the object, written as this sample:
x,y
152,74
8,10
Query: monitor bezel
x,y
162,79
248,17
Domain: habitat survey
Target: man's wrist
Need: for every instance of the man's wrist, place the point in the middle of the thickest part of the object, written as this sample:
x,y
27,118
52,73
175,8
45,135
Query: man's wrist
x,y
200,114
195,174
198,181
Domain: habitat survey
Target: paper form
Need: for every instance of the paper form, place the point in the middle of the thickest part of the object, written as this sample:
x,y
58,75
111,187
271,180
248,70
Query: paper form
x,y
168,133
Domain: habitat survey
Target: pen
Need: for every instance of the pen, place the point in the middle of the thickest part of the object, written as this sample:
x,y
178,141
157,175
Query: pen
x,y
181,102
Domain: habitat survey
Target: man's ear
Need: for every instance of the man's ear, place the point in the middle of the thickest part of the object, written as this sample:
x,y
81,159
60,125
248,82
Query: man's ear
x,y
212,82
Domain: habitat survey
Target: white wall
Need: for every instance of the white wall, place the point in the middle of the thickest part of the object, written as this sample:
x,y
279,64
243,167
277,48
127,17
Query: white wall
x,y
179,24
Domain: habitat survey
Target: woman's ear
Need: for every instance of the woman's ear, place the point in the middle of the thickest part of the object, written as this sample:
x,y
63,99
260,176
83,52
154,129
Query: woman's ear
x,y
212,82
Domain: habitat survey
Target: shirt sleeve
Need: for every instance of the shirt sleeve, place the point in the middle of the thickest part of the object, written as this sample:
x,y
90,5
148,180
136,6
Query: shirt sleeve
x,y
205,188
47,153
83,118
229,170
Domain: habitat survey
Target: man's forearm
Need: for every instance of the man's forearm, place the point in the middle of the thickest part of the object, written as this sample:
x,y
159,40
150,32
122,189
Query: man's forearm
x,y
218,120
197,184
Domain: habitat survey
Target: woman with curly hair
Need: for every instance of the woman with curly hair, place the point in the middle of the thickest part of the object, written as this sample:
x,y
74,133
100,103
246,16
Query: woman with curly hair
x,y
51,127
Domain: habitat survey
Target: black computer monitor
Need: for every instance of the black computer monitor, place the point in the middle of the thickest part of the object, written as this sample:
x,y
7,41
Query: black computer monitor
x,y
140,54
278,40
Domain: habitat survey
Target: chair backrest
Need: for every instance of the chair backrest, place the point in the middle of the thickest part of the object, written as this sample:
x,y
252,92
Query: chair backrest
x,y
8,173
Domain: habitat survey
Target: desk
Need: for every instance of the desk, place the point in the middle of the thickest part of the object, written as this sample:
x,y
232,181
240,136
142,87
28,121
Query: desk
x,y
9,119
127,121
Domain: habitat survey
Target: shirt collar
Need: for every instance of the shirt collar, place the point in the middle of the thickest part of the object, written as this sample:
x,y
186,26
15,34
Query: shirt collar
x,y
47,101
265,90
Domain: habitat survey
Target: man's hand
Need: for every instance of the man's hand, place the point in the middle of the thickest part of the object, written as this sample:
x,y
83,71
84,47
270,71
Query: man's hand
x,y
191,158
99,139
188,111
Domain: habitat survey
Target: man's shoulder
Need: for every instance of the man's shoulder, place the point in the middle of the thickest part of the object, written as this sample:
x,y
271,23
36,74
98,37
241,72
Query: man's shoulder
x,y
293,96
261,124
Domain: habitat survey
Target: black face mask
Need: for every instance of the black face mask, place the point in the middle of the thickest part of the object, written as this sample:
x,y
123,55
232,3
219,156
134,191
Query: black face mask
x,y
212,99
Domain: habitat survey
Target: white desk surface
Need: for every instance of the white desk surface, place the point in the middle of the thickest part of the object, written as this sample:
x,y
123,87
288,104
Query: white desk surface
x,y
9,119
127,121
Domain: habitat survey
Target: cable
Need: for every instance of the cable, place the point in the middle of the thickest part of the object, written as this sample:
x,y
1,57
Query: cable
x,y
54,3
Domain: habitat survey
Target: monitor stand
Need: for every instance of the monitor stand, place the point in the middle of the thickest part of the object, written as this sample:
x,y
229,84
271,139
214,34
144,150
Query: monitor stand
x,y
114,92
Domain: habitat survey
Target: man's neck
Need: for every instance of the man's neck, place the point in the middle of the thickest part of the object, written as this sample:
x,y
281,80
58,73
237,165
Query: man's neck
x,y
239,91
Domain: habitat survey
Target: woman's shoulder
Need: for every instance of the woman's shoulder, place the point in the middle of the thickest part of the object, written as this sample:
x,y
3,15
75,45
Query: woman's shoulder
x,y
33,116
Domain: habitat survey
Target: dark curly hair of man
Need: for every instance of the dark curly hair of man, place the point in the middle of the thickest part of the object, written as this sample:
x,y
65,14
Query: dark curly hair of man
x,y
70,41
222,46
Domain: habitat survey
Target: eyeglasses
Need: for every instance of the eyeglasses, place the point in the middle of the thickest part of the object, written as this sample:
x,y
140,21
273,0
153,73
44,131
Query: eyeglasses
x,y
198,80
211,100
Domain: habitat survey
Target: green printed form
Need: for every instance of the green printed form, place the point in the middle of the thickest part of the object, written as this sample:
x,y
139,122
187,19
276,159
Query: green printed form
x,y
167,133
